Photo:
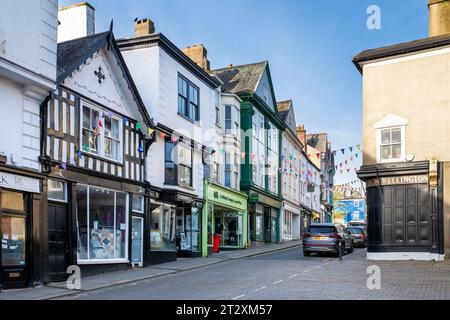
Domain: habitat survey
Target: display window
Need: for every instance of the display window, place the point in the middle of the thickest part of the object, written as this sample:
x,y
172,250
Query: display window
x,y
13,230
162,227
102,225
287,223
228,224
188,229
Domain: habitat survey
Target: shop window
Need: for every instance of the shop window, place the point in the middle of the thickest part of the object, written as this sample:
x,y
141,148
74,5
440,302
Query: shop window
x,y
101,134
162,228
287,228
13,241
138,203
102,224
13,200
57,190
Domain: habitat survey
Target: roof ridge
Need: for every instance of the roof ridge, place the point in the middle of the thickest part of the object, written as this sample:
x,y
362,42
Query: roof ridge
x,y
240,66
85,37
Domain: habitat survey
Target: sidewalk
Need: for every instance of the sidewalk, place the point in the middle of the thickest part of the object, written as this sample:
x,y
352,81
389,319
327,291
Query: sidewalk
x,y
56,290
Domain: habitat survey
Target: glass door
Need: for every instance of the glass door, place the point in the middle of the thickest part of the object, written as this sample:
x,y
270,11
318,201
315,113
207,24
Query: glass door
x,y
137,246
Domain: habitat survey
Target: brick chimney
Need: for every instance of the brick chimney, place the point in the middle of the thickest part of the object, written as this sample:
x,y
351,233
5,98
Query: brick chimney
x,y
143,27
76,21
301,134
439,23
199,55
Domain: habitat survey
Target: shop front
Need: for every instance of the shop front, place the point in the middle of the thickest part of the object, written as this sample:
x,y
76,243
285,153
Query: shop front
x,y
225,219
405,211
291,222
93,222
174,226
22,230
264,216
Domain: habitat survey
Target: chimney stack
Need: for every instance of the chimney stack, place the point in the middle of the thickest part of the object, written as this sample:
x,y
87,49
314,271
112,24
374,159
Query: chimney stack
x,y
199,55
76,21
439,17
301,134
143,27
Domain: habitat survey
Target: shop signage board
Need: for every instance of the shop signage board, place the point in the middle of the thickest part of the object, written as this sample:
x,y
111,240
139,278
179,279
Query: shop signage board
x,y
18,182
400,180
226,198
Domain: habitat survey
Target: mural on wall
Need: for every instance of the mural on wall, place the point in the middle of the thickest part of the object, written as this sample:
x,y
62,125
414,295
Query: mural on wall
x,y
346,210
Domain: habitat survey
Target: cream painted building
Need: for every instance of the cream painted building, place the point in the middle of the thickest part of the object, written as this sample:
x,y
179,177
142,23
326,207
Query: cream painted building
x,y
406,116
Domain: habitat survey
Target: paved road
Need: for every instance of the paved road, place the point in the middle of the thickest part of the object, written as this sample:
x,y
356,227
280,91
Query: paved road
x,y
288,275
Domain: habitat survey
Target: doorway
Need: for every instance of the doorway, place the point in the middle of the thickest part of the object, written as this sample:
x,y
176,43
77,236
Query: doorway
x,y
58,245
137,238
267,224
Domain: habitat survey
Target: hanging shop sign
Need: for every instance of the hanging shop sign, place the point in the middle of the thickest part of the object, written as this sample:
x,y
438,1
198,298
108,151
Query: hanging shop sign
x,y
226,197
21,183
389,181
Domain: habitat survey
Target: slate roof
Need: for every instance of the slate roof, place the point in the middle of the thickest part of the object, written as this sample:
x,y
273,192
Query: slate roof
x,y
401,48
72,54
283,108
318,141
239,79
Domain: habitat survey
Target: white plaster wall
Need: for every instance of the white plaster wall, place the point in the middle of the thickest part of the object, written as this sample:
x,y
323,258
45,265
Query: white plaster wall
x,y
28,31
112,92
156,76
19,125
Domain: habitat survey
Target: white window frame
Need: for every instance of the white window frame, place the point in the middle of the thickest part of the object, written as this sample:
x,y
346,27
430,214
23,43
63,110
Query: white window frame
x,y
391,121
101,140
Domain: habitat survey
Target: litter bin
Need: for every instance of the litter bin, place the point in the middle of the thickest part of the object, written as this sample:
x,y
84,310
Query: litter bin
x,y
216,243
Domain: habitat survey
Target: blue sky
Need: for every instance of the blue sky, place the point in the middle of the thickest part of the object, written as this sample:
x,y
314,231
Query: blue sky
x,y
309,45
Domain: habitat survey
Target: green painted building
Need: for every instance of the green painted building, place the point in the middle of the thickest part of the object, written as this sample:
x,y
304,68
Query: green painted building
x,y
260,146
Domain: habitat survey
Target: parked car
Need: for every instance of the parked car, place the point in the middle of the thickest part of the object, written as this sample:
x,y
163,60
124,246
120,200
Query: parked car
x,y
361,224
359,236
325,237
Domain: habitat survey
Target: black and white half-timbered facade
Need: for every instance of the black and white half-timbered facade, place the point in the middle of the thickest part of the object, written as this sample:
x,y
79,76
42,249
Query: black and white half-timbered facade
x,y
96,139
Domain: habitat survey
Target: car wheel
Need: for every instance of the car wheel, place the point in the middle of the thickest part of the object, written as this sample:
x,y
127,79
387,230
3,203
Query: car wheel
x,y
306,253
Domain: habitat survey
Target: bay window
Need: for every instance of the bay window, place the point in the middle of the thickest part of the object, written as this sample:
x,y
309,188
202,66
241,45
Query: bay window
x,y
258,156
273,158
101,134
102,224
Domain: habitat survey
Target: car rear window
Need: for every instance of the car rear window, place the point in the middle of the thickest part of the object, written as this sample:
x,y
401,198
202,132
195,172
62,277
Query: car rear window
x,y
324,229
355,230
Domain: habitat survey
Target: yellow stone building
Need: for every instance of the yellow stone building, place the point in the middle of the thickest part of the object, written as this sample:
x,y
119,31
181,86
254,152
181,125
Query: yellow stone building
x,y
406,141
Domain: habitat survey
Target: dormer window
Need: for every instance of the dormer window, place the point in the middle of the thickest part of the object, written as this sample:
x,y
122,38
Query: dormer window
x,y
101,133
390,132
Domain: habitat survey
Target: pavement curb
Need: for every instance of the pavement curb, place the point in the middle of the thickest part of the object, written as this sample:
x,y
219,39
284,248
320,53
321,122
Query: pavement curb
x,y
127,281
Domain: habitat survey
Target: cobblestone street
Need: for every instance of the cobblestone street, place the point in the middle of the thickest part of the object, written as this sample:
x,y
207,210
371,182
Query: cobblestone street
x,y
289,275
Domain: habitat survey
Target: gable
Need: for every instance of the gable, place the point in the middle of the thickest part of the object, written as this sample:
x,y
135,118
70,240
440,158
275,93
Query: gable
x,y
290,120
264,91
101,79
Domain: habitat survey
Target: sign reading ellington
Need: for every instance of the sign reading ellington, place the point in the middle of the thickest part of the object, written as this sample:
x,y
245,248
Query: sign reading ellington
x,y
389,181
